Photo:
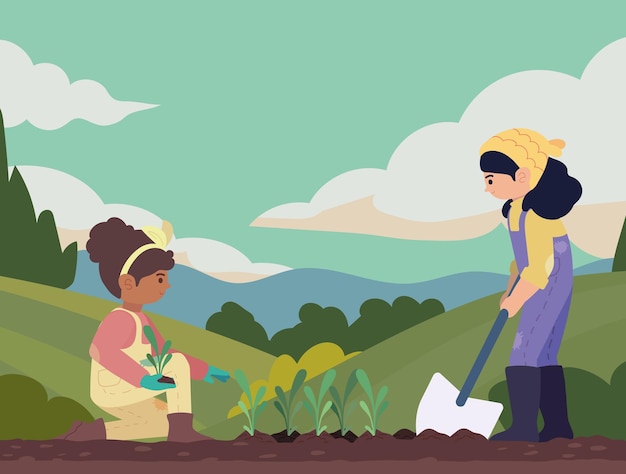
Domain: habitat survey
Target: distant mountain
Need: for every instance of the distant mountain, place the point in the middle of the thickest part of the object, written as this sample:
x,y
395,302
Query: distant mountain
x,y
276,300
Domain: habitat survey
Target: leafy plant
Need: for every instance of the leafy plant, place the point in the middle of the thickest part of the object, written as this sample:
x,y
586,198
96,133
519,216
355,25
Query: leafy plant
x,y
160,359
377,405
283,405
314,405
339,405
256,407
27,413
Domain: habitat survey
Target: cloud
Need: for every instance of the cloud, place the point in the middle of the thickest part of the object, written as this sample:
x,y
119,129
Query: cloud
x,y
433,175
218,258
43,95
77,208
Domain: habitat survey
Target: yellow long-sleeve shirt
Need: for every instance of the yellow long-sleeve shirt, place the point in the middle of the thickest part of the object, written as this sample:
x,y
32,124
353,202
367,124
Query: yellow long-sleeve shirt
x,y
540,233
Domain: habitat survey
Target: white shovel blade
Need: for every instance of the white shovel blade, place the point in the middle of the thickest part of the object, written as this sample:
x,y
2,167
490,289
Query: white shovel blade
x,y
438,411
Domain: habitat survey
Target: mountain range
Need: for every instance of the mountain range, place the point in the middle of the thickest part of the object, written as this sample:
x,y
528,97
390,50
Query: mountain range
x,y
276,300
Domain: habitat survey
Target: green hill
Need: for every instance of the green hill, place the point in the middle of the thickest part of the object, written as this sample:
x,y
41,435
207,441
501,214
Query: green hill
x,y
449,344
45,333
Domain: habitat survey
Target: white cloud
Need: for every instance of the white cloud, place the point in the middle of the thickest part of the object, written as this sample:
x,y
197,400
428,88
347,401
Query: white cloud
x,y
216,257
344,188
43,95
434,174
77,207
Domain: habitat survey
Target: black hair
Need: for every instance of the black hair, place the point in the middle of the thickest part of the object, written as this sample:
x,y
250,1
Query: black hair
x,y
554,195
496,162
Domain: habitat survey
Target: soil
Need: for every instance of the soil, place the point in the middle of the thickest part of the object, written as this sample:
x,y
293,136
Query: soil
x,y
166,379
279,453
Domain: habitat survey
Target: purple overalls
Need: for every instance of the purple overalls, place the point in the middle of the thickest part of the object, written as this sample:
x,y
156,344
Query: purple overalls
x,y
544,315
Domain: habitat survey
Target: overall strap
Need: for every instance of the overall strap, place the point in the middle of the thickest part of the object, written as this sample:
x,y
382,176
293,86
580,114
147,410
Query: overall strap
x,y
139,331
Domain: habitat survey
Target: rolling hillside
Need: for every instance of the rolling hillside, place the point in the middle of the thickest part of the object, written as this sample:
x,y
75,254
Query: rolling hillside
x,y
45,333
449,344
275,301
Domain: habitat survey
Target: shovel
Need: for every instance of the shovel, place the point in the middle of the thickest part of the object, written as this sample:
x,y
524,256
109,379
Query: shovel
x,y
447,410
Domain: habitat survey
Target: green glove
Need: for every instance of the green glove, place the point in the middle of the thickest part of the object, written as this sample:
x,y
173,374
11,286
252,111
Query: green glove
x,y
219,374
151,382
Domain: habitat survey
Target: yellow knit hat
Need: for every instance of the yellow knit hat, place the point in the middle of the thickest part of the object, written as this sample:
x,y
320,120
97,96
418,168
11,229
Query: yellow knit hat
x,y
526,148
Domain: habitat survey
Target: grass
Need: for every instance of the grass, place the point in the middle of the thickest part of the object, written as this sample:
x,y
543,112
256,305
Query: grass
x,y
46,334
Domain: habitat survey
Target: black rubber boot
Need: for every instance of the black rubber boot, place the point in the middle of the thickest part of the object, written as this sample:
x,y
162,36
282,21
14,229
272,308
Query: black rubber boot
x,y
524,384
553,404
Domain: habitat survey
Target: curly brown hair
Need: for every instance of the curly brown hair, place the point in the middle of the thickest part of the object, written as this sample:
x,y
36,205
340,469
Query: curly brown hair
x,y
112,242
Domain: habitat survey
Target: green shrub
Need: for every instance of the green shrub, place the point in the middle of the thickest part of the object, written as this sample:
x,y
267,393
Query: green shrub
x,y
31,249
27,413
595,407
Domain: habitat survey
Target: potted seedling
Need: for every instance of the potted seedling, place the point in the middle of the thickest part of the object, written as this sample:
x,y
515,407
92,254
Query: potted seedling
x,y
160,358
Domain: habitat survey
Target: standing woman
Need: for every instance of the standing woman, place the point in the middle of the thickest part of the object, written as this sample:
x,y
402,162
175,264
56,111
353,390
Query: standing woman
x,y
518,167
133,266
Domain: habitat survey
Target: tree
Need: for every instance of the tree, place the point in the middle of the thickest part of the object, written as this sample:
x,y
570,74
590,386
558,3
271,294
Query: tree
x,y
619,260
317,325
235,322
380,320
30,248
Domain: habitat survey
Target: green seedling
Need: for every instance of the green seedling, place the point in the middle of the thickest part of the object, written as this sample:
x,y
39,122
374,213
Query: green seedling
x,y
160,359
377,407
313,404
340,406
255,406
283,405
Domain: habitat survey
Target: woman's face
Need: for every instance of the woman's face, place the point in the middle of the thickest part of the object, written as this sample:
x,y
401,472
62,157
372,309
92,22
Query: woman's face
x,y
151,288
503,186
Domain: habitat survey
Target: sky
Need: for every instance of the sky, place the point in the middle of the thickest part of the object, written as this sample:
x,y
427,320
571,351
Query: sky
x,y
213,114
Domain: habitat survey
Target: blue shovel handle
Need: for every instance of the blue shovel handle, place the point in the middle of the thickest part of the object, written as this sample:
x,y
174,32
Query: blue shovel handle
x,y
477,368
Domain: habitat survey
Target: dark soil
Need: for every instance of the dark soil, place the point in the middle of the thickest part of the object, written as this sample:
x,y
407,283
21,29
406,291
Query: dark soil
x,y
166,379
280,449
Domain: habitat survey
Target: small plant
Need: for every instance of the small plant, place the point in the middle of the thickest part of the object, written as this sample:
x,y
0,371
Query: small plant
x,y
255,406
339,406
283,405
160,359
377,406
313,405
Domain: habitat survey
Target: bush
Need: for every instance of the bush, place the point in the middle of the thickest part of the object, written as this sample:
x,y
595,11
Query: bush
x,y
235,322
26,412
378,321
595,407
31,246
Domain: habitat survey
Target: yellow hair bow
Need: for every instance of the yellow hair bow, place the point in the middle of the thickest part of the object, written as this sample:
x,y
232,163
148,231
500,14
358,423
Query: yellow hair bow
x,y
160,238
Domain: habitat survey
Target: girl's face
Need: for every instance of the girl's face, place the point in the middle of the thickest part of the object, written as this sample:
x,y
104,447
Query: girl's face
x,y
503,186
151,288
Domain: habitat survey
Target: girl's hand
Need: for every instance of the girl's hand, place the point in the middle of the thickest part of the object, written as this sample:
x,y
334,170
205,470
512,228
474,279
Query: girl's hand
x,y
151,382
219,374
